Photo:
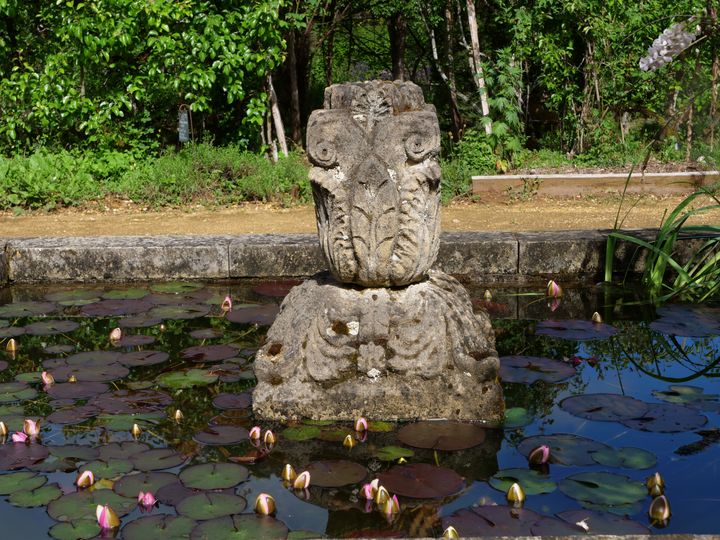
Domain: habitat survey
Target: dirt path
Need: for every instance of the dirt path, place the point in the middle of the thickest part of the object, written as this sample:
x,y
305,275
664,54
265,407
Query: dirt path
x,y
540,214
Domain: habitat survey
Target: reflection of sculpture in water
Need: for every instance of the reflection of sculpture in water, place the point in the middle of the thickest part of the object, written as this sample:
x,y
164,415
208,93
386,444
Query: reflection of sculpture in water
x,y
385,336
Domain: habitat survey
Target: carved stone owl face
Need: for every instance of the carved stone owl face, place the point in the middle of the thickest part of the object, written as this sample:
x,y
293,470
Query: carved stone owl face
x,y
376,182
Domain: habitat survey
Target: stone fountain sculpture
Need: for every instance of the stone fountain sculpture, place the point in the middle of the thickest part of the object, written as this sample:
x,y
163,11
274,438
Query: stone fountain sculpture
x,y
382,335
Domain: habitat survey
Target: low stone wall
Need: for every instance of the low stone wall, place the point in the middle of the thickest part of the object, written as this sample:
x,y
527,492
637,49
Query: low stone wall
x,y
490,256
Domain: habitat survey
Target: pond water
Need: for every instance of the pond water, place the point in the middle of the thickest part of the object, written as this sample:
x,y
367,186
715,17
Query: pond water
x,y
615,402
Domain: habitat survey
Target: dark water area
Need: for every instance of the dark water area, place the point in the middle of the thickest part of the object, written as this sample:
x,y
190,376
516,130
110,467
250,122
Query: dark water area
x,y
615,401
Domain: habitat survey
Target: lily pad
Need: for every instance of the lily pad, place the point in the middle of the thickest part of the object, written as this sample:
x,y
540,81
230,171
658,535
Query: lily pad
x,y
186,379
214,475
301,433
173,493
498,520
692,396
116,308
75,451
206,333
123,450
516,417
177,287
51,328
92,358
108,469
565,449
528,369
232,401
82,529
77,390
73,297
157,459
210,505
82,504
20,481
241,527
221,435
125,294
11,332
132,484
422,481
26,309
180,312
143,358
139,321
603,488
134,340
686,320
124,422
16,391
159,527
604,407
604,522
74,415
628,458
391,453
208,353
667,418
101,373
262,315
37,497
442,435
20,455
59,349
533,482
576,330
336,473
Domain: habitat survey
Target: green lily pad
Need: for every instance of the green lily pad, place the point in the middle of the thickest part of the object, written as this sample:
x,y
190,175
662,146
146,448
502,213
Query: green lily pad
x,y
692,396
125,294
181,312
391,453
157,459
132,484
603,488
604,407
242,527
565,449
74,297
442,435
159,527
210,505
82,504
37,497
16,391
51,328
301,433
628,458
29,377
26,309
124,422
516,417
533,482
108,469
177,287
214,475
320,423
82,529
74,451
20,481
186,379
381,427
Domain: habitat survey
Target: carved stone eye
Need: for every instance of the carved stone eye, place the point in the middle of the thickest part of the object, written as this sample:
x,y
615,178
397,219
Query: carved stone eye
x,y
324,154
416,147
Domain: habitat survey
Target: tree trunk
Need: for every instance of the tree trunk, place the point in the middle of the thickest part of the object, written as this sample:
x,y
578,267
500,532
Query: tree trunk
x,y
296,132
712,13
397,31
476,67
277,119
330,44
457,121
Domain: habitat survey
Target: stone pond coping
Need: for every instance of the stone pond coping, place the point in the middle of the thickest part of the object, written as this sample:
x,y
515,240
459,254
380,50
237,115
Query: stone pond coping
x,y
522,257
584,537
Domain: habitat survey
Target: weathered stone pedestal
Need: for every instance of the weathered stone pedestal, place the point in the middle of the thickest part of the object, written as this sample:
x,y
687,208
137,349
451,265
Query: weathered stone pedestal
x,y
382,335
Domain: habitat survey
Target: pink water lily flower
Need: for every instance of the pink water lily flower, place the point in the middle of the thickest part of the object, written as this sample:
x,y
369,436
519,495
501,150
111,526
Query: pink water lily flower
x,y
255,433
106,517
227,304
554,290
361,424
539,455
19,436
146,499
302,481
47,378
85,479
31,428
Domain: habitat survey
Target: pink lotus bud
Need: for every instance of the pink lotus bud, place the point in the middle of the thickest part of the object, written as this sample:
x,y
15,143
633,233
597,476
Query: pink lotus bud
x,y
540,455
302,481
106,517
227,304
31,428
19,436
361,424
367,492
255,433
85,479
554,290
146,499
47,378
575,361
265,504
116,335
391,505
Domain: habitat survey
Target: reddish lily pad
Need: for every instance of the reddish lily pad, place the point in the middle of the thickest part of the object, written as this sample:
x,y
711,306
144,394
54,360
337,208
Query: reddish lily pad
x,y
159,527
214,475
667,418
528,369
336,473
604,407
577,330
26,309
20,481
143,358
116,308
132,484
211,505
134,340
186,379
565,449
77,390
92,358
422,481
208,353
241,527
157,459
82,529
11,332
221,435
131,401
498,520
603,488
233,417
687,320
232,401
51,328
206,333
101,373
628,458
75,451
123,450
82,504
604,522
442,435
173,493
37,497
75,415
262,315
139,321
59,349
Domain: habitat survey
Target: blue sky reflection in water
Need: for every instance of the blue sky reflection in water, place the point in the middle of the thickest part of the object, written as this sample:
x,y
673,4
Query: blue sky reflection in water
x,y
635,362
